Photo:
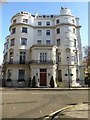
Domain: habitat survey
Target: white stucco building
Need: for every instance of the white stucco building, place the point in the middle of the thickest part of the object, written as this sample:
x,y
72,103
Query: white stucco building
x,y
43,46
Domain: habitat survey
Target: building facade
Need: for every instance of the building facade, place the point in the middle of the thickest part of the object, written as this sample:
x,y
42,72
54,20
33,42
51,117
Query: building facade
x,y
0,76
43,46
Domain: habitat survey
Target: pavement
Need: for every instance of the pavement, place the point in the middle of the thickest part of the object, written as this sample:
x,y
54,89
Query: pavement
x,y
71,112
49,89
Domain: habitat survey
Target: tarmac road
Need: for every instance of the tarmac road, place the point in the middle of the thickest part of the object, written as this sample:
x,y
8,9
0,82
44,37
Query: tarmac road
x,y
36,104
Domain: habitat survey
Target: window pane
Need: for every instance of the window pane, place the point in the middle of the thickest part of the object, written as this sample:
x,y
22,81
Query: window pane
x,y
58,30
60,75
23,41
39,23
14,21
47,32
22,57
24,30
74,42
48,23
25,20
48,42
21,74
38,41
11,57
57,21
72,21
58,42
73,30
9,74
43,57
39,32
13,30
12,41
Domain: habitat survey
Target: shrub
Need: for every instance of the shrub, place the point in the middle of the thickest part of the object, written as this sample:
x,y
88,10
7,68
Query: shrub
x,y
52,82
33,82
29,82
9,80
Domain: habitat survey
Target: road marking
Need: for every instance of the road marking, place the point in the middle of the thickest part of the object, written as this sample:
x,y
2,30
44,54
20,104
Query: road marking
x,y
10,93
45,93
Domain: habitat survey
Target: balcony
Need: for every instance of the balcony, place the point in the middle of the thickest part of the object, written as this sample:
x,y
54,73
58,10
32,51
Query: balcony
x,y
16,62
42,62
30,62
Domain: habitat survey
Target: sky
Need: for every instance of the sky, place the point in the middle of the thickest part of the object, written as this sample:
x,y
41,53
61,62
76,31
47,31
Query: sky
x,y
9,9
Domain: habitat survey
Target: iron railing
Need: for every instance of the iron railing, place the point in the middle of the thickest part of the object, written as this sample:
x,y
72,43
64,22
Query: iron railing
x,y
31,62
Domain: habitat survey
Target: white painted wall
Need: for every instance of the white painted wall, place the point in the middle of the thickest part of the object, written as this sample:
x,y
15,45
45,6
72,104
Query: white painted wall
x,y
32,38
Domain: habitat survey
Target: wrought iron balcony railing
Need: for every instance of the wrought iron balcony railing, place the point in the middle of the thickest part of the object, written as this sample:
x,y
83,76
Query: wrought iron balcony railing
x,y
31,62
42,62
16,62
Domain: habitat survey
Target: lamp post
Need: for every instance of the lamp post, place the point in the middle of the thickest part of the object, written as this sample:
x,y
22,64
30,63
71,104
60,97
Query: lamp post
x,y
68,72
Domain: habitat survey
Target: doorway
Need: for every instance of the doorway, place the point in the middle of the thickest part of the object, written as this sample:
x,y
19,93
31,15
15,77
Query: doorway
x,y
43,77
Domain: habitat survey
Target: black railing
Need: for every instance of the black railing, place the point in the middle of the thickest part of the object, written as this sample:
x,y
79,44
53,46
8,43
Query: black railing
x,y
42,62
31,62
16,62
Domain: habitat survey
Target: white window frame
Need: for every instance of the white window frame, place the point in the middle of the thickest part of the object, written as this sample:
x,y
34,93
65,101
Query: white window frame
x,y
25,20
24,30
39,23
57,21
23,41
48,23
39,32
39,42
48,32
48,42
58,30
12,42
58,42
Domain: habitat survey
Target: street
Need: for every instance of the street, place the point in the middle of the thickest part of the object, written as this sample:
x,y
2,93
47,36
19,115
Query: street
x,y
35,104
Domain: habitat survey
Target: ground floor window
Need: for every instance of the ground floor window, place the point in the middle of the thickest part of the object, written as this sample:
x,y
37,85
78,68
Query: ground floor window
x,y
59,75
9,74
21,75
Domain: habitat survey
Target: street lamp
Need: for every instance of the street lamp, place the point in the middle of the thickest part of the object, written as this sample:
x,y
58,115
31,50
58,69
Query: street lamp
x,y
68,72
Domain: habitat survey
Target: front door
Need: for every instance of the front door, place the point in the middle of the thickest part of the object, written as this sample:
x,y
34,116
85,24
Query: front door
x,y
43,77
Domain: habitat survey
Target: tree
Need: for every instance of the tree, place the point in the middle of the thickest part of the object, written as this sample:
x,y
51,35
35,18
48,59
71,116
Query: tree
x,y
52,82
86,55
33,82
87,64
